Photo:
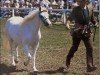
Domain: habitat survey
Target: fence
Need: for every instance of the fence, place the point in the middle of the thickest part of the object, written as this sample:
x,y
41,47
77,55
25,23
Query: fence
x,y
64,11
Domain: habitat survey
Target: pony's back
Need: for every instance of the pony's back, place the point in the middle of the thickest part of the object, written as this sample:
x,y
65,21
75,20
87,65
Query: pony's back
x,y
15,20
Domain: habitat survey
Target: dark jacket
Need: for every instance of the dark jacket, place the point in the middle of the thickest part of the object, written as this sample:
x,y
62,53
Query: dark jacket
x,y
82,20
79,16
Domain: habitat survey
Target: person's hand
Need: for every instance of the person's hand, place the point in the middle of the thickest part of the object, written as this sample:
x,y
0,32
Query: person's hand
x,y
94,22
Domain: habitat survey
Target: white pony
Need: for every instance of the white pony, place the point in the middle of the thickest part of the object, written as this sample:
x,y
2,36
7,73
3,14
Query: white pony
x,y
26,32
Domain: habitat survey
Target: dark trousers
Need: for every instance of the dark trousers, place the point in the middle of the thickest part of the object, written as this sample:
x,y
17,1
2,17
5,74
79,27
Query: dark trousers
x,y
89,49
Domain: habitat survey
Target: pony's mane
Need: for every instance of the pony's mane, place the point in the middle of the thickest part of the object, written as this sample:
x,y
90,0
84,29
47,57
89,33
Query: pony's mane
x,y
30,16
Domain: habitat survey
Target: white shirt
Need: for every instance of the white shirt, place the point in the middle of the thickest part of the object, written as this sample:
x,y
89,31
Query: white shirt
x,y
44,5
62,4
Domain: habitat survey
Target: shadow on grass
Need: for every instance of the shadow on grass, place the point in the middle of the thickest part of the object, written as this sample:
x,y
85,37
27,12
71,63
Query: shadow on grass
x,y
59,28
60,70
4,69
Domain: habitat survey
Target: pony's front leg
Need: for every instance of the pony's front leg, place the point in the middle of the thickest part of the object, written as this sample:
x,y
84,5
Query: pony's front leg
x,y
27,53
34,56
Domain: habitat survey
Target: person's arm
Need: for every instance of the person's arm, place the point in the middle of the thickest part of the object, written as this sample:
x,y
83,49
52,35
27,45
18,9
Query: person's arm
x,y
72,15
92,18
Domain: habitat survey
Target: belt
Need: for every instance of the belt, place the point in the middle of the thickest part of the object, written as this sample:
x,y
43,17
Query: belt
x,y
44,11
78,25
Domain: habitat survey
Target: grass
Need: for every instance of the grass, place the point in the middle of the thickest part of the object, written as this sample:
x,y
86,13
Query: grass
x,y
54,46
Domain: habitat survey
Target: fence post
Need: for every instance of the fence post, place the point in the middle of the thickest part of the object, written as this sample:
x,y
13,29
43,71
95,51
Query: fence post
x,y
13,12
64,16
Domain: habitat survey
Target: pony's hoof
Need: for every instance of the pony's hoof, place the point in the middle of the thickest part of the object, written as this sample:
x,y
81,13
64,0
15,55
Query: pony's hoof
x,y
13,67
35,70
61,69
16,61
25,63
50,25
13,64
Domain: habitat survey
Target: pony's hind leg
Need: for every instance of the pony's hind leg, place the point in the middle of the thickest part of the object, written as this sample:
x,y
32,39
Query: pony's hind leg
x,y
13,52
34,55
27,53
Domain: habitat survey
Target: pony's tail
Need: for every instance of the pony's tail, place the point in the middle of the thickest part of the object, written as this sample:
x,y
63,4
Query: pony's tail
x,y
6,44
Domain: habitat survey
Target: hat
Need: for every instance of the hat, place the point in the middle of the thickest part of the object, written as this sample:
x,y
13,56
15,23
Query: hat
x,y
7,1
82,0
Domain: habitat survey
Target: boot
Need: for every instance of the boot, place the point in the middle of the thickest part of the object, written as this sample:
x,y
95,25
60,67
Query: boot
x,y
67,63
90,66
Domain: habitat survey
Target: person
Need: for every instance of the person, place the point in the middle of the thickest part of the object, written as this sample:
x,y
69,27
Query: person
x,y
61,4
81,31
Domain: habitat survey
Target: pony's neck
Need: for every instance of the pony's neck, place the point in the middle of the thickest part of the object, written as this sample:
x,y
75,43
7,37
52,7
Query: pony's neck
x,y
36,21
30,17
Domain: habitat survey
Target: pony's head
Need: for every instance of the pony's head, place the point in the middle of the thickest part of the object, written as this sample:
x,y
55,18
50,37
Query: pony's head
x,y
45,18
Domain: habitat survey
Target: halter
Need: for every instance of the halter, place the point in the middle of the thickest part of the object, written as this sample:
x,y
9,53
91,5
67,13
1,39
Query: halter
x,y
43,19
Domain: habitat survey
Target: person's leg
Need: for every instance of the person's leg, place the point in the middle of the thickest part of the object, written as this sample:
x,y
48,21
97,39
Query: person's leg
x,y
73,49
89,54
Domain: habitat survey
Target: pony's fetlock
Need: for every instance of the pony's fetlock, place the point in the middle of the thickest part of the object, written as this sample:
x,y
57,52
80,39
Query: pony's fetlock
x,y
34,69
